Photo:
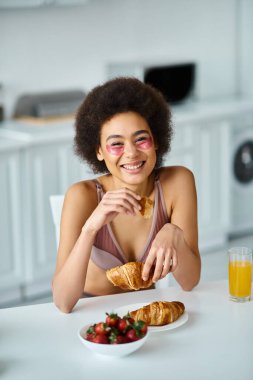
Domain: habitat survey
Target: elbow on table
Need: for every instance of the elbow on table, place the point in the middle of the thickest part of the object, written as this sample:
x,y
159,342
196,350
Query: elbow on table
x,y
188,286
63,307
60,303
189,283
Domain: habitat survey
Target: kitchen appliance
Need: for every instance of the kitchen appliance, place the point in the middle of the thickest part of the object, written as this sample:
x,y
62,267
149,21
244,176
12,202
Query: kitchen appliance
x,y
176,81
241,167
49,104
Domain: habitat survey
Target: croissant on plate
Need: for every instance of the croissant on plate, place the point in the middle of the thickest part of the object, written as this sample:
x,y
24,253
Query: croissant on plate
x,y
128,276
159,313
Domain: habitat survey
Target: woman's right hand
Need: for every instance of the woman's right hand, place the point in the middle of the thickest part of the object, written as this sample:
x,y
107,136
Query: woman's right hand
x,y
122,201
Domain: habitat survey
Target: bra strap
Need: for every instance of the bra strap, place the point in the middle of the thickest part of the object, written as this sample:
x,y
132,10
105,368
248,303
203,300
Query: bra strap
x,y
157,175
99,188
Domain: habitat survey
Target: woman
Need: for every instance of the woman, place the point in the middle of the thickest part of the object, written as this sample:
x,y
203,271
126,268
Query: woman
x,y
123,129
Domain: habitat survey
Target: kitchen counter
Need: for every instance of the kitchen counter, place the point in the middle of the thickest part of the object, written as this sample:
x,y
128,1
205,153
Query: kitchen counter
x,y
29,134
194,111
189,112
8,143
39,342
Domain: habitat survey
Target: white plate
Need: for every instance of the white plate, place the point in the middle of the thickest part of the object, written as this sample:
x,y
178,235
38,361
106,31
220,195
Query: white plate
x,y
123,310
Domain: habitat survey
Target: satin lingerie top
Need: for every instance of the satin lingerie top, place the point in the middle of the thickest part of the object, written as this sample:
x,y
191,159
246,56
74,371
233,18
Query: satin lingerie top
x,y
106,252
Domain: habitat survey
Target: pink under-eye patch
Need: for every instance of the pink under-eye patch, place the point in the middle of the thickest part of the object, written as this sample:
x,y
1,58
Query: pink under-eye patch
x,y
115,150
145,144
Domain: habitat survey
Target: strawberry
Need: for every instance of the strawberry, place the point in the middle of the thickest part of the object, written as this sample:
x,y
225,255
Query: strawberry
x,y
101,328
112,319
122,339
122,324
90,337
129,319
113,335
141,327
90,333
101,339
132,335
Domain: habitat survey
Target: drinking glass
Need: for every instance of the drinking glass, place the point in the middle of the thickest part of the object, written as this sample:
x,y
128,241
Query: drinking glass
x,y
240,273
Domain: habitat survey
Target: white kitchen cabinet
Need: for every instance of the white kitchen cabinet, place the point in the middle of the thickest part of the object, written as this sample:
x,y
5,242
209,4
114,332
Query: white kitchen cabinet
x,y
71,168
11,270
182,147
35,163
203,147
212,180
48,169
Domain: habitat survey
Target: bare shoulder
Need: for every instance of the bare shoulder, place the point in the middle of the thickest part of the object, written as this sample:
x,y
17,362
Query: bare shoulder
x,y
82,196
176,175
177,183
82,188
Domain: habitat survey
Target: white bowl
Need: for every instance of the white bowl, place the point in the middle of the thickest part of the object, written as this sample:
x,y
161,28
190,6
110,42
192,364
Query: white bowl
x,y
115,350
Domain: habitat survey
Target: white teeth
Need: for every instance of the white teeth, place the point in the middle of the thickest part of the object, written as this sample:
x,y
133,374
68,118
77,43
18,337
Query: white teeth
x,y
132,167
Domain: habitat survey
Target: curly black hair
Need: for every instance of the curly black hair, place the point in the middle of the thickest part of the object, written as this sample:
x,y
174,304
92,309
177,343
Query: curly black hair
x,y
116,96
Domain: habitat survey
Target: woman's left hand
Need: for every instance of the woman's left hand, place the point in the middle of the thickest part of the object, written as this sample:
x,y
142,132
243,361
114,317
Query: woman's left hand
x,y
163,254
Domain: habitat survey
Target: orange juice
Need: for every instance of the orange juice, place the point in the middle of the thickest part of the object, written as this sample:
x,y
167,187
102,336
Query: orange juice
x,y
240,278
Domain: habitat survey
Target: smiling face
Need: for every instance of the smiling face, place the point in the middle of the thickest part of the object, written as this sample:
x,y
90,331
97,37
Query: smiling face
x,y
127,147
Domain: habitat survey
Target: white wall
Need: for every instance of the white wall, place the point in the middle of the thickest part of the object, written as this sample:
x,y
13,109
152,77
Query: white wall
x,y
246,47
68,47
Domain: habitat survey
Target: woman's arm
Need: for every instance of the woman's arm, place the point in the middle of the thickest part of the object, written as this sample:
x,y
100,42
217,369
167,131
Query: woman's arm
x,y
81,219
75,245
175,248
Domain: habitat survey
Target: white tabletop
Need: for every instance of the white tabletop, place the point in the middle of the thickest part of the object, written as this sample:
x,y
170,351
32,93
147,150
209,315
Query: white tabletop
x,y
39,342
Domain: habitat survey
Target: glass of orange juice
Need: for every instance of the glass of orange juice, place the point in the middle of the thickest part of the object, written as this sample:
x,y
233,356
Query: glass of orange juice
x,y
240,273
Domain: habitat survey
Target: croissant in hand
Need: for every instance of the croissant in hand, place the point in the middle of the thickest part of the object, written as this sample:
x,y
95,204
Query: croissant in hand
x,y
128,276
159,313
146,207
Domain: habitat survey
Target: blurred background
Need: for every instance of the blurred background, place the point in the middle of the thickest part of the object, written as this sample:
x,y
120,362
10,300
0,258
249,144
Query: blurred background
x,y
52,52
